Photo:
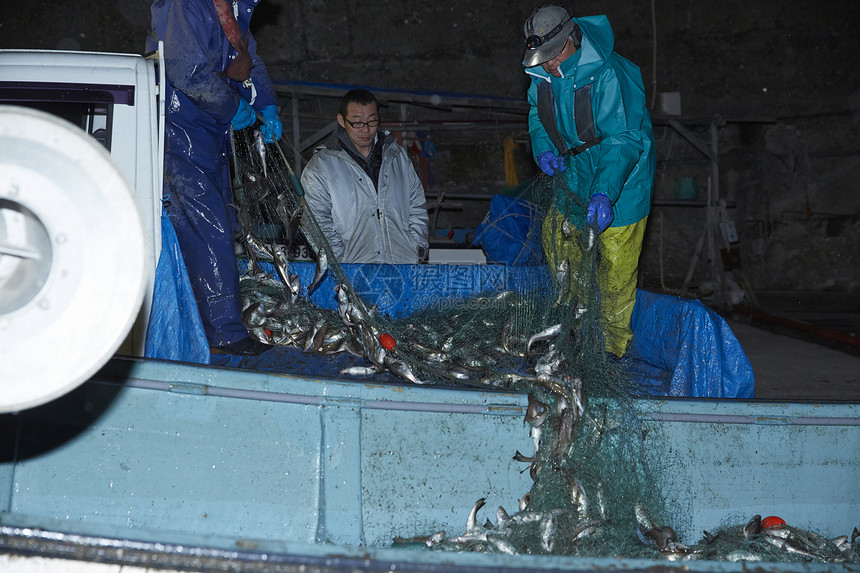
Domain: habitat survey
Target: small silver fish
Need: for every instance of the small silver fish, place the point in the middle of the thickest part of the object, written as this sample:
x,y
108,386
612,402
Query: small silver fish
x,y
753,527
562,281
502,545
520,457
254,316
566,228
525,501
536,413
545,334
320,272
537,516
260,146
358,371
435,539
547,534
502,517
472,520
400,368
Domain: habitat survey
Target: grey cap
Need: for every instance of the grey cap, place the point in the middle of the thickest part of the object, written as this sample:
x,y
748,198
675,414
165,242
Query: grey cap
x,y
545,33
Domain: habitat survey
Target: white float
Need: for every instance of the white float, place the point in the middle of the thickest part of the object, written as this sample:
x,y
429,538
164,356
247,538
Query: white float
x,y
72,271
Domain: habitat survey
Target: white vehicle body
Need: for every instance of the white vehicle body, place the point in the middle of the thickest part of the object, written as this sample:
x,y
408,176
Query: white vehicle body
x,y
115,99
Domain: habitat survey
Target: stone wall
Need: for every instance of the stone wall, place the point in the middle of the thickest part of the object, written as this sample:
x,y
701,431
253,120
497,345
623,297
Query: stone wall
x,y
778,76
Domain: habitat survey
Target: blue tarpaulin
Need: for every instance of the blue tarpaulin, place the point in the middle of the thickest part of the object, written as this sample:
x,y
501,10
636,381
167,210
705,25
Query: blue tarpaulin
x,y
175,331
511,232
680,347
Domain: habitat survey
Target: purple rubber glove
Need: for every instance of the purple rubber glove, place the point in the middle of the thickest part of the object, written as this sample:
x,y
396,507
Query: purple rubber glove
x,y
272,129
549,163
245,116
599,212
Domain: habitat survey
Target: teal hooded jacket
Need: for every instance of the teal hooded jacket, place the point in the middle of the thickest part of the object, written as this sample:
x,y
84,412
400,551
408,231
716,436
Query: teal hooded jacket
x,y
622,164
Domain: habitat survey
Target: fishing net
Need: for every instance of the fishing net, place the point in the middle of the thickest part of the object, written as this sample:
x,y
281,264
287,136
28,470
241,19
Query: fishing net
x,y
593,490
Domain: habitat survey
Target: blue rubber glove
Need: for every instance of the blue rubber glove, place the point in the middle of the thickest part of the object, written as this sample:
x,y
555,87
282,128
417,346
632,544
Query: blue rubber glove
x,y
272,129
245,116
599,212
549,163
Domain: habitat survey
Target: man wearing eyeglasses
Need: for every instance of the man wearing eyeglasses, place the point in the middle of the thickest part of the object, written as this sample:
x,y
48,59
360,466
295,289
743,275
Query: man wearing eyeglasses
x,y
364,191
591,132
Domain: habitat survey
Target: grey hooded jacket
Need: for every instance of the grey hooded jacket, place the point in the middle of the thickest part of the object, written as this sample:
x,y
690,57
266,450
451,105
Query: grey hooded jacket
x,y
361,224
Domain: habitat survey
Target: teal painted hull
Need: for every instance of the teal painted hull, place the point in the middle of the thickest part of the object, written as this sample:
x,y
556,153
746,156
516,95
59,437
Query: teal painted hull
x,y
222,459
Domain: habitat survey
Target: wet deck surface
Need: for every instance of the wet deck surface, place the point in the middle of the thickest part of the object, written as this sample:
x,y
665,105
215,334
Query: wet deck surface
x,y
809,350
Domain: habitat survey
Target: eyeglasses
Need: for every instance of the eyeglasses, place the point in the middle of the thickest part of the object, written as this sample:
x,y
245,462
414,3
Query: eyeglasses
x,y
534,42
362,124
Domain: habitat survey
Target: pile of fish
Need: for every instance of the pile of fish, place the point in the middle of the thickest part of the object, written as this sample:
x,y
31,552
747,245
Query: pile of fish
x,y
500,341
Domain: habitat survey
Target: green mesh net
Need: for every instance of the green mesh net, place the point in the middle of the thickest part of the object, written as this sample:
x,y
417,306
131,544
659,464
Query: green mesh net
x,y
592,494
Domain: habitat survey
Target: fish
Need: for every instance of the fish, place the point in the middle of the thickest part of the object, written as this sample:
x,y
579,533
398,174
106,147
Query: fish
x,y
254,315
659,538
742,555
400,368
753,527
545,334
506,333
566,228
260,147
536,412
565,434
345,308
472,520
535,436
358,371
311,335
577,392
322,258
435,539
562,281
841,542
785,539
502,545
547,534
549,363
642,517
601,503
320,272
523,458
525,501
319,337
562,393
282,266
459,372
585,529
502,517
537,516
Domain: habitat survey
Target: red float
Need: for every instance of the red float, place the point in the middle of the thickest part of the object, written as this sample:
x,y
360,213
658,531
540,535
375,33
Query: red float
x,y
772,521
387,341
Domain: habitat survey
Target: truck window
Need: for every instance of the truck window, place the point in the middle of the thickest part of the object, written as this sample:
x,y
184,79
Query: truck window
x,y
90,107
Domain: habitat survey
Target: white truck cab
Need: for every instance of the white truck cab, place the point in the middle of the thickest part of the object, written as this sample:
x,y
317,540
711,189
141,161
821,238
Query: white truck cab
x,y
114,99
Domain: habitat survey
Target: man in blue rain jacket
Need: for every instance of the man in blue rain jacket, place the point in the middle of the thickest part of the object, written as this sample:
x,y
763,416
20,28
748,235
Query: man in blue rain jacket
x,y
589,125
214,80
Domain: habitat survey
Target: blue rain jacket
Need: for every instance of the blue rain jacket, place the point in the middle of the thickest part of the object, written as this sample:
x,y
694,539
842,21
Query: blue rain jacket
x,y
201,102
622,164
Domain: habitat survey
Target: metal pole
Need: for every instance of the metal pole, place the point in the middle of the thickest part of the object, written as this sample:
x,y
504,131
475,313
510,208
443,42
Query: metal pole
x,y
297,160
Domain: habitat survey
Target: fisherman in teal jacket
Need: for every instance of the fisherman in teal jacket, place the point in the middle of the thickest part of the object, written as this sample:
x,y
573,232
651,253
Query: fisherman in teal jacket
x,y
589,125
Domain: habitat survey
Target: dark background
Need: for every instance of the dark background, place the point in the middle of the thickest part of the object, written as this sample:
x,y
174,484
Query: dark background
x,y
778,81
